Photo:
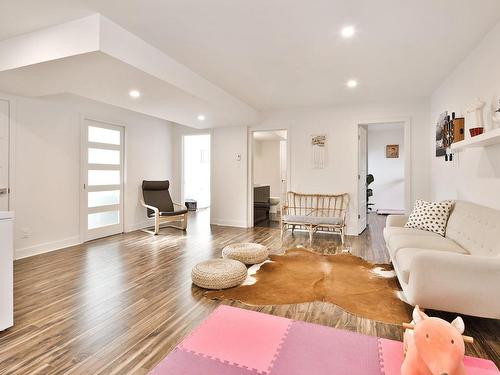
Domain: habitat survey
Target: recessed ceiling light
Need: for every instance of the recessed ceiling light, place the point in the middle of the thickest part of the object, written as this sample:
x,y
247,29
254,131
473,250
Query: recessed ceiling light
x,y
352,83
134,94
201,117
347,31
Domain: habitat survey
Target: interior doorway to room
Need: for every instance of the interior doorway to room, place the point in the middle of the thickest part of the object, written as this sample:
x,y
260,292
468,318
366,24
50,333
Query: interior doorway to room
x,y
196,169
4,155
269,163
382,183
102,175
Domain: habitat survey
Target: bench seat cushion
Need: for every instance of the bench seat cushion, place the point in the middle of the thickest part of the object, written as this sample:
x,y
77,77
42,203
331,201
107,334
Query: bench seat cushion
x,y
314,220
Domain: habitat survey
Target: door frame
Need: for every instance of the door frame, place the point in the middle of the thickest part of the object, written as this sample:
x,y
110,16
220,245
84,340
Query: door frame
x,y
83,177
12,104
406,121
183,172
365,129
250,167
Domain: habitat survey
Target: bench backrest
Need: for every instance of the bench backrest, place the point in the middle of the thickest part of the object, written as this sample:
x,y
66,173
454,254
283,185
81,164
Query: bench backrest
x,y
323,205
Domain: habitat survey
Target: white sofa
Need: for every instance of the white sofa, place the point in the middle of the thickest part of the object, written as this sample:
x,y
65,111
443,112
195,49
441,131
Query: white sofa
x,y
459,272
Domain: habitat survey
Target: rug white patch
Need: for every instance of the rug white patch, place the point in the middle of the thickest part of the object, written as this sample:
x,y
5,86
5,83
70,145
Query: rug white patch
x,y
379,271
250,280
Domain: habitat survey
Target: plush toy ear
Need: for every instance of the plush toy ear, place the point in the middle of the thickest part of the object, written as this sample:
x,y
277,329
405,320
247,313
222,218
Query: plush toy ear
x,y
459,324
418,315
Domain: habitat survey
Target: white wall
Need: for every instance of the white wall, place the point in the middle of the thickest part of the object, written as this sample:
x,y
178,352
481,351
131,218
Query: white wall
x,y
340,123
46,187
229,176
267,166
388,187
475,173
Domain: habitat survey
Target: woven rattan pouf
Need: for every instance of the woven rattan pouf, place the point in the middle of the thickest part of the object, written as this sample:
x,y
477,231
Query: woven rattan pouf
x,y
248,253
219,273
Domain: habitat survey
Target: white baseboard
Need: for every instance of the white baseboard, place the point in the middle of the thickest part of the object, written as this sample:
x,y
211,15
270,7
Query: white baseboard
x,y
46,247
137,226
228,223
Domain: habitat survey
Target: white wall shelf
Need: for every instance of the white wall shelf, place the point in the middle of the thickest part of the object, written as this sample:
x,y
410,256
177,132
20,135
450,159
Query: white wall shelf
x,y
489,138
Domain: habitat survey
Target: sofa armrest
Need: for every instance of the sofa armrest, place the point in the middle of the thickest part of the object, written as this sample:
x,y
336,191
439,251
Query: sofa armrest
x,y
461,283
396,220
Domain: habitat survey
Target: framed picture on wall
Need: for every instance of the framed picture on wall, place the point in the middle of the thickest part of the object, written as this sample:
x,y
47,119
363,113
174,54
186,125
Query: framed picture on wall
x,y
440,125
392,151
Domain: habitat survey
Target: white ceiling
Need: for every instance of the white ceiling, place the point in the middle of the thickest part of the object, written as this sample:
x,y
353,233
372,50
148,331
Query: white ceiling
x,y
98,76
282,54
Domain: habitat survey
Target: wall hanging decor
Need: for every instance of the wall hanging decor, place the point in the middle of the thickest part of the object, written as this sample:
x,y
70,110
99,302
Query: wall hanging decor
x,y
318,144
440,130
392,151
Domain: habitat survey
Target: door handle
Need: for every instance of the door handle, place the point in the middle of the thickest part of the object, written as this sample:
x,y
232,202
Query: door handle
x,y
4,191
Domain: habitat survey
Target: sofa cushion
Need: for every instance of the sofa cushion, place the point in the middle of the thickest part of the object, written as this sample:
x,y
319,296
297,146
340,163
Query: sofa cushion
x,y
403,260
417,241
314,220
431,216
475,228
390,231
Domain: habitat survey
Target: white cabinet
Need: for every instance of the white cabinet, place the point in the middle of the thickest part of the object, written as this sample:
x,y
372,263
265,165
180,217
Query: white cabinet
x,y
6,270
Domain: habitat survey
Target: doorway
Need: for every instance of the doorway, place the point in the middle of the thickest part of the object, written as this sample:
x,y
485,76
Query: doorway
x,y
4,155
102,176
269,176
383,169
196,169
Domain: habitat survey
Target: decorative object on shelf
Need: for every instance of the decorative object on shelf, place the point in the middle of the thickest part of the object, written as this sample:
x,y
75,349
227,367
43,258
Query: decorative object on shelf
x,y
318,144
458,129
433,346
476,131
477,107
496,117
392,151
440,128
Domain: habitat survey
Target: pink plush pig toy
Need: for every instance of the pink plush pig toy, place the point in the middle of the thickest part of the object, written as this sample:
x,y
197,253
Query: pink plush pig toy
x,y
434,346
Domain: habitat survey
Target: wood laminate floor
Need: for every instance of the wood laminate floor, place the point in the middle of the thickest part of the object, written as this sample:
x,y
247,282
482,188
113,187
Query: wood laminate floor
x,y
118,305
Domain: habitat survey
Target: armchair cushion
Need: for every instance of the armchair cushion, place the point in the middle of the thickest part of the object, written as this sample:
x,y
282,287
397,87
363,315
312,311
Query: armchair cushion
x,y
155,193
171,213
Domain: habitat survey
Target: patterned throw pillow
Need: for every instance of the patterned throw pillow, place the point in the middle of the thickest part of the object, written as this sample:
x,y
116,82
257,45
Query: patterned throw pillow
x,y
430,216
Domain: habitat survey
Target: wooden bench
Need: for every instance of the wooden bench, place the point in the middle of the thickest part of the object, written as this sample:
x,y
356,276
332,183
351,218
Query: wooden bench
x,y
314,212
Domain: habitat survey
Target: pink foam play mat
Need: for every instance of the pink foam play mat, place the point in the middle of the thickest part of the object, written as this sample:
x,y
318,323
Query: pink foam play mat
x,y
234,341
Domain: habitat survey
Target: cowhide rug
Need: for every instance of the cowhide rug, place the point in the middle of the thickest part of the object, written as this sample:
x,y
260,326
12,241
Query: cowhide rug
x,y
359,287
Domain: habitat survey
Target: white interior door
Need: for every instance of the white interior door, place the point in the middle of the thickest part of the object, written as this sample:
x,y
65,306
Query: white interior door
x,y
283,170
362,172
4,155
102,175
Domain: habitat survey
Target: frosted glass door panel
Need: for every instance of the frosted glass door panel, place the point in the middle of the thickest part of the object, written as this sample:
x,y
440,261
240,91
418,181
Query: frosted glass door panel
x,y
103,219
100,177
102,156
103,135
103,198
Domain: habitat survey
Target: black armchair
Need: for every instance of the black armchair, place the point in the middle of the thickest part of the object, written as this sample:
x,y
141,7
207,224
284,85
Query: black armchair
x,y
158,202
